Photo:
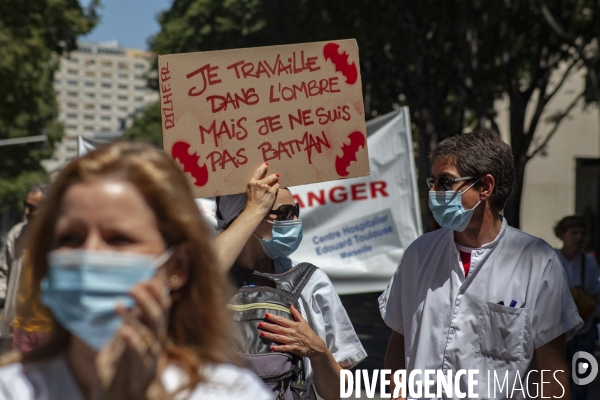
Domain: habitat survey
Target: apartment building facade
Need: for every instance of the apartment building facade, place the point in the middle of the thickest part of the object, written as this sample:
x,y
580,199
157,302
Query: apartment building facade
x,y
99,87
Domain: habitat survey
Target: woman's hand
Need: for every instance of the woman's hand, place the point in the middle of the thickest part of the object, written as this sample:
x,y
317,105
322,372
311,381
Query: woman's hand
x,y
128,367
295,337
261,190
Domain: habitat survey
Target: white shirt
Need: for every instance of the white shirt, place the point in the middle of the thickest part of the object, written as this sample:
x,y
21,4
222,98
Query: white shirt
x,y
573,270
452,322
52,380
329,318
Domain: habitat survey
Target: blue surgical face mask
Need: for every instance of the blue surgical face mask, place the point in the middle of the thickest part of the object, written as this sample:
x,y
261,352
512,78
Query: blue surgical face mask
x,y
286,238
83,288
448,210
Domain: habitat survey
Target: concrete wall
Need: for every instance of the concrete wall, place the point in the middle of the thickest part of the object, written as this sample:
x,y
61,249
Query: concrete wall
x,y
549,190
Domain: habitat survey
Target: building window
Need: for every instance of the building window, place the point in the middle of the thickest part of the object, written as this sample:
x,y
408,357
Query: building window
x,y
89,84
139,66
88,117
105,118
106,85
125,87
105,107
124,65
90,73
88,128
72,72
89,106
106,75
106,95
72,94
72,116
57,81
105,129
138,98
72,83
89,95
121,97
73,60
140,87
107,63
71,127
72,105
90,61
123,76
122,108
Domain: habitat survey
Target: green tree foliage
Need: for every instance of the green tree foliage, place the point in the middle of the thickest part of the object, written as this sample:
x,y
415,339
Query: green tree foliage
x,y
449,61
33,34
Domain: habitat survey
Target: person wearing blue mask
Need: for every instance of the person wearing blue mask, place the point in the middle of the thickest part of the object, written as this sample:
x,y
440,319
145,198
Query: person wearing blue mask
x,y
260,230
122,262
478,294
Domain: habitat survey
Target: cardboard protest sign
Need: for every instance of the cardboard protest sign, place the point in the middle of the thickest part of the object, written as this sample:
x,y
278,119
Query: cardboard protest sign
x,y
298,107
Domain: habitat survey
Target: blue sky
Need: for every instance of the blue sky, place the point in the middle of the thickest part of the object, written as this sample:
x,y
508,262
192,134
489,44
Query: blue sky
x,y
130,22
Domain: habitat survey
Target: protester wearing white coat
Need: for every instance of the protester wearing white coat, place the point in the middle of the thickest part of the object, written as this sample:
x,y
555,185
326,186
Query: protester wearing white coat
x,y
478,294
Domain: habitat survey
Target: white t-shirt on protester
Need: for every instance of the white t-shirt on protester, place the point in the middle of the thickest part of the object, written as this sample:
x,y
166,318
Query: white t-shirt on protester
x,y
52,380
329,318
450,322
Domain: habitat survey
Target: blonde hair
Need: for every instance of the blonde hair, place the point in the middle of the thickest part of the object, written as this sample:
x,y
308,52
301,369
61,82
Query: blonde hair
x,y
198,331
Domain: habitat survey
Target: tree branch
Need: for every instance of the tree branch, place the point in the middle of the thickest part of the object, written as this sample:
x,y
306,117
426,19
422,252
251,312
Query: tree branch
x,y
557,120
539,109
556,27
563,79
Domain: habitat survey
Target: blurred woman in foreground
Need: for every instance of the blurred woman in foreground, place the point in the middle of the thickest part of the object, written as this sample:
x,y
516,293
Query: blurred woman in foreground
x,y
128,274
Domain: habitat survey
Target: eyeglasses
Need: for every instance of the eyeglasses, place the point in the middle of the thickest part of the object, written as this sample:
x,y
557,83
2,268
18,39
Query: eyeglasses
x,y
446,183
29,206
286,212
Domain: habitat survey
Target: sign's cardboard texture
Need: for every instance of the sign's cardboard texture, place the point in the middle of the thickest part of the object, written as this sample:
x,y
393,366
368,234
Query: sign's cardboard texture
x,y
298,107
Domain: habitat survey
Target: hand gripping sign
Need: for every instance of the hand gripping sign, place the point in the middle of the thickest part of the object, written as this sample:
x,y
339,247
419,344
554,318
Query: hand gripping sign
x,y
298,107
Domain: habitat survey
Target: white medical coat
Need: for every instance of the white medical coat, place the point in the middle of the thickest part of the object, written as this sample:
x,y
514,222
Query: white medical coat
x,y
452,322
52,379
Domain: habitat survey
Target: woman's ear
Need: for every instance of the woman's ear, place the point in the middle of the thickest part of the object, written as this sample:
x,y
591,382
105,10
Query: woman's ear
x,y
487,188
178,268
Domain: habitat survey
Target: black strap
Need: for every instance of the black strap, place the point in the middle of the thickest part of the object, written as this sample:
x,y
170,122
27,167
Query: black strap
x,y
309,269
293,280
582,269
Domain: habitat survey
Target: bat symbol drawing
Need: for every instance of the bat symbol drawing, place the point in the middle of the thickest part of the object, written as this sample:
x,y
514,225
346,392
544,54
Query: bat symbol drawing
x,y
357,140
180,151
331,52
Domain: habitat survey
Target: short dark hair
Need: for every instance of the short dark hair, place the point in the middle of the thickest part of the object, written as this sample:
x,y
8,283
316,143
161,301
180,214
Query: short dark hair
x,y
569,222
480,153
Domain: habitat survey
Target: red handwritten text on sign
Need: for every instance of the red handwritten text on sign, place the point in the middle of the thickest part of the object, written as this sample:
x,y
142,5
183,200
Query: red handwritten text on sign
x,y
299,107
168,113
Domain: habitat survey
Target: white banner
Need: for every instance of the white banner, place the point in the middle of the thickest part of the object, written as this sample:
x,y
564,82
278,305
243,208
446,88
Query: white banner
x,y
356,230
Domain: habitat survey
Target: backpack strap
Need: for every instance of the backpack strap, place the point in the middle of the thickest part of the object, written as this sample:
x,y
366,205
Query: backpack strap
x,y
583,269
293,280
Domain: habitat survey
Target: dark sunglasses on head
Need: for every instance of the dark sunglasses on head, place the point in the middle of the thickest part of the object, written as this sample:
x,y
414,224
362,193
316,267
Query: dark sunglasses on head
x,y
286,212
446,183
29,206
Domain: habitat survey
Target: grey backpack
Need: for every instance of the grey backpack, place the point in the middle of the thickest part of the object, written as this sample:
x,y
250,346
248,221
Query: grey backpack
x,y
283,373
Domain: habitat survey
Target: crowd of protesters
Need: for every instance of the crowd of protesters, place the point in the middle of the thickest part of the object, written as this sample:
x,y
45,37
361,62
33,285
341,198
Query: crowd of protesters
x,y
114,288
